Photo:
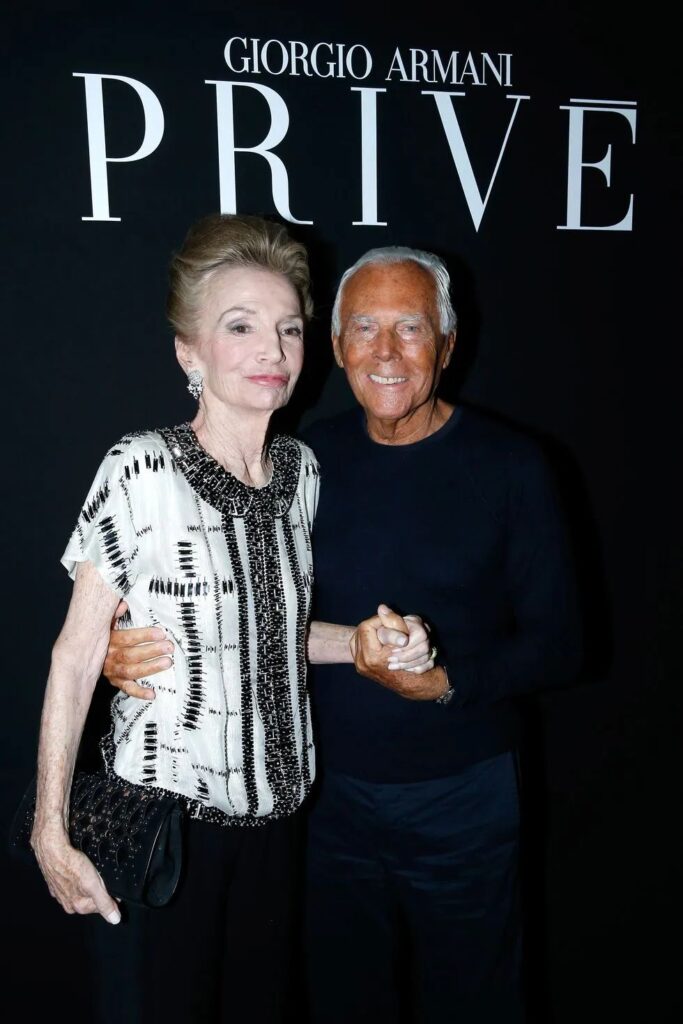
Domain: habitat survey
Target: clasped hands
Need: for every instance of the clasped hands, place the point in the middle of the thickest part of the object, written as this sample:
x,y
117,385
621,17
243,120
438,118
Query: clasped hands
x,y
388,648
395,651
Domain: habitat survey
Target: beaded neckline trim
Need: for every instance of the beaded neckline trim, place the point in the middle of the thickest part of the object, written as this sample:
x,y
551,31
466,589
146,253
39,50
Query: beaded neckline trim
x,y
219,488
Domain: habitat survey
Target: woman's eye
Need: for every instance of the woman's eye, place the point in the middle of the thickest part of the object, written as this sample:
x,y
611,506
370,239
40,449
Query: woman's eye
x,y
293,331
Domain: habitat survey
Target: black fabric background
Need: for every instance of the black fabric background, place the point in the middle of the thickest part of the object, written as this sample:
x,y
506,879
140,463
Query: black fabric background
x,y
573,335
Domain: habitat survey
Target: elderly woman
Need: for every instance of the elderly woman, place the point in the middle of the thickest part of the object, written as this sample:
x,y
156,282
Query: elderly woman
x,y
204,529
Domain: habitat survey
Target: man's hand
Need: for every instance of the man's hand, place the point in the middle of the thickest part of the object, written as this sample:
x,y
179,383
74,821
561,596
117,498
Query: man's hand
x,y
375,647
135,653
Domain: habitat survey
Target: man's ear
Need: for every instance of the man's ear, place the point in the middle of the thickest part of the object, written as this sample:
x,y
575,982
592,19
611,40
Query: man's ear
x,y
336,348
448,350
184,355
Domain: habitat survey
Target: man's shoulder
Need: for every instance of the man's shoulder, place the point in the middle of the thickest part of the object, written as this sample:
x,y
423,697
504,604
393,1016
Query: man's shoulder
x,y
487,435
331,430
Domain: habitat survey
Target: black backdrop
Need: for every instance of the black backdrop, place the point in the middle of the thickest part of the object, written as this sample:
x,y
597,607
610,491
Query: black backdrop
x,y
569,332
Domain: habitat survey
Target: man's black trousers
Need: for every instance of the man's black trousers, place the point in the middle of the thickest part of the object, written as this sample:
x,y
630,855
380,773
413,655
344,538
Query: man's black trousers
x,y
412,901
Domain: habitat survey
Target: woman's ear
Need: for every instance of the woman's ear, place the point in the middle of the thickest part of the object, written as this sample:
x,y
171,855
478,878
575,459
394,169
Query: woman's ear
x,y
184,355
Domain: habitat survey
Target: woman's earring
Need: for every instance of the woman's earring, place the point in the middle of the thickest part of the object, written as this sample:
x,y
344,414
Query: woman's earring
x,y
195,384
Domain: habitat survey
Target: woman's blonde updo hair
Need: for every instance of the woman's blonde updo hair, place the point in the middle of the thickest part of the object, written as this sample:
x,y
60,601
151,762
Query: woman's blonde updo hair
x,y
231,240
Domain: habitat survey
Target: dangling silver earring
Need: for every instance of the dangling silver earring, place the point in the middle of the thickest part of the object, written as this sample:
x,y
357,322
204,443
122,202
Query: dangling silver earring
x,y
195,384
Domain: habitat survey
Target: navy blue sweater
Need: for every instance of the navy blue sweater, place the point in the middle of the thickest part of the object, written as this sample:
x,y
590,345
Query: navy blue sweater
x,y
462,528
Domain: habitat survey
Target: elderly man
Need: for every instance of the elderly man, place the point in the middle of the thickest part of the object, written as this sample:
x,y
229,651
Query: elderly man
x,y
413,840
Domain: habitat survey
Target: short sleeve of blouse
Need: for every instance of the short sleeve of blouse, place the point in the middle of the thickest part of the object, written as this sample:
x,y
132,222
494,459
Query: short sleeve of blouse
x,y
105,532
312,481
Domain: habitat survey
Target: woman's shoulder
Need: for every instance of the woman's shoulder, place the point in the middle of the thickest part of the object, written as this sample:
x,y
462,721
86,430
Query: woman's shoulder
x,y
137,452
303,452
139,441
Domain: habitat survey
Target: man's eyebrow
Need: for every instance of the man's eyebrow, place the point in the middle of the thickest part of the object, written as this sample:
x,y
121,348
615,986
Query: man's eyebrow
x,y
373,316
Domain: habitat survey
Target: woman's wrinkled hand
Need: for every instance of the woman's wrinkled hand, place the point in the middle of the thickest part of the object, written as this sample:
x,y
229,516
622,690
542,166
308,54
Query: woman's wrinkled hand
x,y
72,879
408,655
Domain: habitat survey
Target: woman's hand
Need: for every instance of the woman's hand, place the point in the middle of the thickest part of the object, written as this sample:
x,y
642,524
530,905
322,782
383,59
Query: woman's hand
x,y
408,655
72,879
407,638
77,658
136,653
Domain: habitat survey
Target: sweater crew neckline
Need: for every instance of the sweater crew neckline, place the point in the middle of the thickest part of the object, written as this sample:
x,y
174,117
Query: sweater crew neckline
x,y
436,437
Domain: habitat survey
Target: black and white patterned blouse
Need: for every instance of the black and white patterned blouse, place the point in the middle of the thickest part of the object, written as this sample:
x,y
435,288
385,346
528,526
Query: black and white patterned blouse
x,y
226,569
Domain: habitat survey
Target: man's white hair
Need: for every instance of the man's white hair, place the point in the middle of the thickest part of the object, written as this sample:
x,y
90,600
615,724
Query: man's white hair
x,y
402,254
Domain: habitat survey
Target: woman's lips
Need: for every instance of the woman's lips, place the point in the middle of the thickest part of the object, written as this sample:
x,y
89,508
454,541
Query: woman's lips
x,y
269,380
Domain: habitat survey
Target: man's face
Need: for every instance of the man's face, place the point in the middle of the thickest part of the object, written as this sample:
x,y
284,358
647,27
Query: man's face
x,y
390,343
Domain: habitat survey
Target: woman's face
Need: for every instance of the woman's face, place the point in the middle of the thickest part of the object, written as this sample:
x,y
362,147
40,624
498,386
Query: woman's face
x,y
249,343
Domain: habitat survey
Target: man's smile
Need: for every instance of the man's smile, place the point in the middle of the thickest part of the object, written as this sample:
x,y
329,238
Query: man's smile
x,y
377,379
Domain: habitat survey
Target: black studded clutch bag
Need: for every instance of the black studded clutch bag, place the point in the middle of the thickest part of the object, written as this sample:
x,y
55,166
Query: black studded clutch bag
x,y
131,834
